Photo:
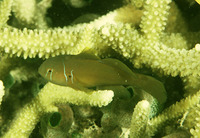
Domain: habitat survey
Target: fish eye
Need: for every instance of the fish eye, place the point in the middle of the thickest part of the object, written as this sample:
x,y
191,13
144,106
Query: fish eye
x,y
49,70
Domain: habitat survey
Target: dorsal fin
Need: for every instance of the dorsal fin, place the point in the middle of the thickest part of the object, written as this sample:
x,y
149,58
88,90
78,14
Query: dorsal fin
x,y
87,53
116,64
87,56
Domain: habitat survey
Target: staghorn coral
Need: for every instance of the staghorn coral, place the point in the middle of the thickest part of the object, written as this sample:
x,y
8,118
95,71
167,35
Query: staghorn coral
x,y
144,41
5,8
27,118
139,119
2,91
34,17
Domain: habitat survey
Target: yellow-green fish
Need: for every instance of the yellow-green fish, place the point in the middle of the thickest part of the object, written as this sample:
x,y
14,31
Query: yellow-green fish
x,y
87,71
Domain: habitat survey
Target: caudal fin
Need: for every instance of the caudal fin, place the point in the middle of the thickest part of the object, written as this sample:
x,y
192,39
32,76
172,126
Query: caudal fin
x,y
151,86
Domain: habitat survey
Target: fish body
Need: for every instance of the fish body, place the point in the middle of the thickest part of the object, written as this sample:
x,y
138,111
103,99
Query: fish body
x,y
86,71
72,71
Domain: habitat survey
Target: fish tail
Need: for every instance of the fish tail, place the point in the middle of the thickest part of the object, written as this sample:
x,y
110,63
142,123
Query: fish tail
x,y
152,86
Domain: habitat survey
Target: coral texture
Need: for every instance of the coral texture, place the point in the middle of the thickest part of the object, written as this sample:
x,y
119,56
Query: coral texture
x,y
154,37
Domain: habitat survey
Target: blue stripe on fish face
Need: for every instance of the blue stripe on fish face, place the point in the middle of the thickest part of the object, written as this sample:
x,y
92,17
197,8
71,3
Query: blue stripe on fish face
x,y
72,76
51,72
65,72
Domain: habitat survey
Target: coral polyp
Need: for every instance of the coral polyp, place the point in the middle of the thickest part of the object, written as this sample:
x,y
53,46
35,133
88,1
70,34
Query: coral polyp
x,y
154,38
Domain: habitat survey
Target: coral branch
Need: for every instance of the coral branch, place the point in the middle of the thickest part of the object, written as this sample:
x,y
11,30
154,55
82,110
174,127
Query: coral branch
x,y
174,111
154,19
2,91
139,119
140,34
26,119
5,8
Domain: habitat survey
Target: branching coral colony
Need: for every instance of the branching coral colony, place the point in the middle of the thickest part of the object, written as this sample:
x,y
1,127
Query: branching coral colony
x,y
150,33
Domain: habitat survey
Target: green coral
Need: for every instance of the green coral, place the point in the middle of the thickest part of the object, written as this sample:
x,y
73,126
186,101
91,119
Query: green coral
x,y
45,102
2,91
150,37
